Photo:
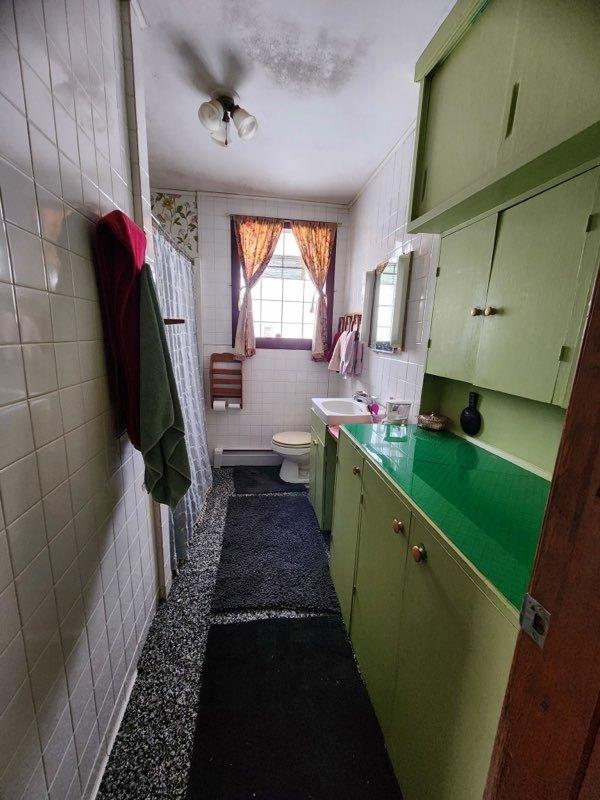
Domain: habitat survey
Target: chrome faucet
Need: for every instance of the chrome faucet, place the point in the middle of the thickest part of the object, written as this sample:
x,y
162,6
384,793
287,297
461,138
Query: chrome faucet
x,y
360,396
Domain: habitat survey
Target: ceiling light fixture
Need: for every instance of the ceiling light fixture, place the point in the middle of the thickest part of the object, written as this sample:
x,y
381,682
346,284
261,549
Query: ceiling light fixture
x,y
219,111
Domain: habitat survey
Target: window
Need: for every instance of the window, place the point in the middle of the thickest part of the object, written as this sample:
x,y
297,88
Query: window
x,y
283,300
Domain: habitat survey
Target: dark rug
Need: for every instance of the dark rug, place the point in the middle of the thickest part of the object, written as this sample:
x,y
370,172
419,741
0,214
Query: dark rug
x,y
262,480
273,557
284,715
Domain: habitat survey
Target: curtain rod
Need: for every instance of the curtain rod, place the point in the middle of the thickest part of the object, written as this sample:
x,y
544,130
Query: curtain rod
x,y
285,219
156,223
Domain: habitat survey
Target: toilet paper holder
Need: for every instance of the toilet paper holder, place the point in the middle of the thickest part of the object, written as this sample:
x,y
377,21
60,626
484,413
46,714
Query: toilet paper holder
x,y
226,380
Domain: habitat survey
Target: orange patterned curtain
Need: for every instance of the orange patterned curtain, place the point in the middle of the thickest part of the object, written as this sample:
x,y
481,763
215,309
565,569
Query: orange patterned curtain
x,y
316,241
256,240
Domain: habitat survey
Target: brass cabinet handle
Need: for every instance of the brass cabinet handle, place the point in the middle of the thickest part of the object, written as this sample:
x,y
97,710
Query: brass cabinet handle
x,y
475,311
398,526
419,553
355,470
489,311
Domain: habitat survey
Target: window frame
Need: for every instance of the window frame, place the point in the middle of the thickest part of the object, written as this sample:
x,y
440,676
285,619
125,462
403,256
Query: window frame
x,y
267,342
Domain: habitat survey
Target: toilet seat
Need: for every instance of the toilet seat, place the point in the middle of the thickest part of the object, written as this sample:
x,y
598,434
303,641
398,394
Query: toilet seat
x,y
292,439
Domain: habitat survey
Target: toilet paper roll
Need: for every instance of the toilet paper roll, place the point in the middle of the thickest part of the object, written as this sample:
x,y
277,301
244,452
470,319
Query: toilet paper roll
x,y
219,405
233,404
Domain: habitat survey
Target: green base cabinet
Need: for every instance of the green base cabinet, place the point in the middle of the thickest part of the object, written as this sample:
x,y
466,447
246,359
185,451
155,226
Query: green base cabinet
x,y
323,450
344,533
379,583
434,639
453,665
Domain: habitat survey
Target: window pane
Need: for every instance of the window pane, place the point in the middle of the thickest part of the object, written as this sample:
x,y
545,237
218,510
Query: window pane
x,y
309,289
255,293
307,331
270,329
309,313
290,244
293,290
270,311
271,288
292,312
291,329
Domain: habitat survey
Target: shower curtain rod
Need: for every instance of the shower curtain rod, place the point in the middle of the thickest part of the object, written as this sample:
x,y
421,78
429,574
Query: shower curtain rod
x,y
156,223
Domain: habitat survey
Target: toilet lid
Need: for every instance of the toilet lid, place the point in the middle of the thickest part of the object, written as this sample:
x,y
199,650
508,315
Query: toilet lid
x,y
292,438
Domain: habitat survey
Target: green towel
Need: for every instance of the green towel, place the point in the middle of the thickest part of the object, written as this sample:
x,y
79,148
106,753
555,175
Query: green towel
x,y
162,434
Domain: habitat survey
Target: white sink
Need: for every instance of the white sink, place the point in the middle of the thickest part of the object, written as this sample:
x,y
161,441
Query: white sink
x,y
339,410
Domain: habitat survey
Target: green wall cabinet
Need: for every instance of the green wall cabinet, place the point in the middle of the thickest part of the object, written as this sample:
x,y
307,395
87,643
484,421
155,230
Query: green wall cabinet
x,y
453,665
344,532
464,271
526,267
464,125
379,581
510,100
321,472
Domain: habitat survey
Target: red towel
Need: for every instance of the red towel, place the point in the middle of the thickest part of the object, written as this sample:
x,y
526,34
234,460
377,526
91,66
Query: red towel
x,y
120,252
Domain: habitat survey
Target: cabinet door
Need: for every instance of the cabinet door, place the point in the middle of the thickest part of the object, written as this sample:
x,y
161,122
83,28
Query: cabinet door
x,y
465,108
316,467
464,268
536,263
344,533
329,481
382,547
455,654
555,71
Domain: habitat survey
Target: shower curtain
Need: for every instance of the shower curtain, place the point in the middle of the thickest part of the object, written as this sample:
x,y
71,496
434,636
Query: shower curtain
x,y
174,276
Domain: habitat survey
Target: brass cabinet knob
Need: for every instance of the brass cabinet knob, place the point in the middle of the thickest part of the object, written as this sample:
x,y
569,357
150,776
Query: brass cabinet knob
x,y
475,312
314,442
355,470
398,526
419,553
489,311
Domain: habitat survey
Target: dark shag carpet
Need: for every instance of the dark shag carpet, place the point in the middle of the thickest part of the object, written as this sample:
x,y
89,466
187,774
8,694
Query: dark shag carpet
x,y
262,480
273,557
284,715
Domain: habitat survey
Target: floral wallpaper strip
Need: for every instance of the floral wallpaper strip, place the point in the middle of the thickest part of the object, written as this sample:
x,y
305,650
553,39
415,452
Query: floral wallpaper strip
x,y
178,214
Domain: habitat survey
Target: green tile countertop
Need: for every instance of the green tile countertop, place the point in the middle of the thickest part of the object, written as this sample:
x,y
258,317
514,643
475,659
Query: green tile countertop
x,y
489,508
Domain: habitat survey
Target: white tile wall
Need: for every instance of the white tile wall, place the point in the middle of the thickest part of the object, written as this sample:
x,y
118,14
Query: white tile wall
x,y
77,565
278,384
377,231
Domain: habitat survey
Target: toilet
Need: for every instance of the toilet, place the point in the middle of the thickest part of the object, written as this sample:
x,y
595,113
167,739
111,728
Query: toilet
x,y
294,446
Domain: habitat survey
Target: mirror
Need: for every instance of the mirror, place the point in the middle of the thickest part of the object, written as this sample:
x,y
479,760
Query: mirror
x,y
384,309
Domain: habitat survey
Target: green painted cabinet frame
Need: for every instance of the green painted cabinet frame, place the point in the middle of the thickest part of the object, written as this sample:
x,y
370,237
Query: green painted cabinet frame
x,y
510,101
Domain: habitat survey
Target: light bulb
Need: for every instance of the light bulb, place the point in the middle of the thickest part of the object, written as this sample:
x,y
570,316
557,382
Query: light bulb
x,y
211,115
245,123
221,135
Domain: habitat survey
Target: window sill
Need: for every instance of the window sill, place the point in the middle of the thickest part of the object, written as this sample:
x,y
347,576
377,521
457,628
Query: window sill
x,y
264,343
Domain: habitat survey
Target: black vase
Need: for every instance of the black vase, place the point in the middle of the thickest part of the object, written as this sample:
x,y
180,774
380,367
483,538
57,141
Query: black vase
x,y
470,419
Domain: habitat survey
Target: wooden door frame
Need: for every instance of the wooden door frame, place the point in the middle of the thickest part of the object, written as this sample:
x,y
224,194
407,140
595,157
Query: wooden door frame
x,y
548,741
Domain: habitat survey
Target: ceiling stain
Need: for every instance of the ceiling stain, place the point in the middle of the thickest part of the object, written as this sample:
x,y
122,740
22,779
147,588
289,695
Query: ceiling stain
x,y
294,57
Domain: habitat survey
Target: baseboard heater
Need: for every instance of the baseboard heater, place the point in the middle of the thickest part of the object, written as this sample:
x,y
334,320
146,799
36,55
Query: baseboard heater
x,y
233,457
